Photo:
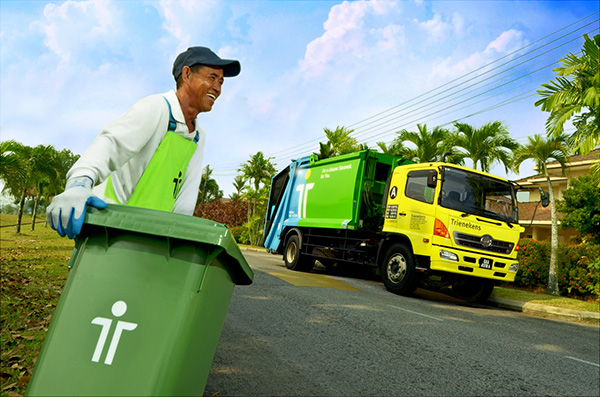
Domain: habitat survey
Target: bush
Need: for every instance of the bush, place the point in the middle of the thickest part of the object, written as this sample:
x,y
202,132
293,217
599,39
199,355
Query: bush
x,y
578,267
241,235
534,263
230,213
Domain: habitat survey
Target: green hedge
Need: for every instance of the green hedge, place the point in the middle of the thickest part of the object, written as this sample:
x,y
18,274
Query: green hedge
x,y
578,267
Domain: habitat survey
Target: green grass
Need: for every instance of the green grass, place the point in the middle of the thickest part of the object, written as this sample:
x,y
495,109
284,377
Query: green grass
x,y
33,273
542,298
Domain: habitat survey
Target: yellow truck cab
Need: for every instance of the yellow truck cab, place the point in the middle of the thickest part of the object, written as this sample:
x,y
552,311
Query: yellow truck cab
x,y
459,221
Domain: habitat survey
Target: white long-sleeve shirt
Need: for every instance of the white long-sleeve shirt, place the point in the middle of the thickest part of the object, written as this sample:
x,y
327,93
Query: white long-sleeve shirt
x,y
127,144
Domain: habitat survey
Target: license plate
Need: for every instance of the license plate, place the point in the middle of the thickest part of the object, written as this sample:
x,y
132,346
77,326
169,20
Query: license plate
x,y
485,263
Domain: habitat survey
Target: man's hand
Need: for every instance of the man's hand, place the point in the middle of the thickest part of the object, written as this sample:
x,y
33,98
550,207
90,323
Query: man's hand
x,y
67,210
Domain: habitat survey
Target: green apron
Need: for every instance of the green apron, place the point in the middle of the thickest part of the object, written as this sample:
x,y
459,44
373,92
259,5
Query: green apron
x,y
161,181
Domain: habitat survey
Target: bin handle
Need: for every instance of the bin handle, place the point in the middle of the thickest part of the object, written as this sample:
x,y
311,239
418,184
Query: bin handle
x,y
209,258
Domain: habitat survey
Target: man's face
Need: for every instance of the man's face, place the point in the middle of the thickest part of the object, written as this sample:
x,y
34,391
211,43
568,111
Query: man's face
x,y
205,87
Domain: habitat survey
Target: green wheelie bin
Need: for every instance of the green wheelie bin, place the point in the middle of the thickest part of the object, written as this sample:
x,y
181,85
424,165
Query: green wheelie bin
x,y
143,307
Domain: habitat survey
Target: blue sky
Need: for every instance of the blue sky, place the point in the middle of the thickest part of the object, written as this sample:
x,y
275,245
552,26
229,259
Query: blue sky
x,y
68,68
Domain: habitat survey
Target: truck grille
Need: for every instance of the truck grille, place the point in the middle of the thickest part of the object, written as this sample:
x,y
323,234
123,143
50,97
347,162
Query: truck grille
x,y
471,241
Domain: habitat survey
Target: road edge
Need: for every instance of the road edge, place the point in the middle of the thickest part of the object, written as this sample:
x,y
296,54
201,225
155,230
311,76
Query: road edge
x,y
545,310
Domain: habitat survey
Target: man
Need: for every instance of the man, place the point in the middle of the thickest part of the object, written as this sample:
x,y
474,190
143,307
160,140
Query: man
x,y
151,156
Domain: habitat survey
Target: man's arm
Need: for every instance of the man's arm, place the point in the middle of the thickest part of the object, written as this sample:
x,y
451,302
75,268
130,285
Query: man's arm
x,y
116,144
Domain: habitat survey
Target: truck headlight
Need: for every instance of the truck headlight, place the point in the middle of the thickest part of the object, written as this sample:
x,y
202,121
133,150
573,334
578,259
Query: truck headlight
x,y
514,267
450,256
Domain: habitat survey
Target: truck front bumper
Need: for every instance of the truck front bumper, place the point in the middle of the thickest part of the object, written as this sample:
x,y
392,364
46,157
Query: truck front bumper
x,y
471,263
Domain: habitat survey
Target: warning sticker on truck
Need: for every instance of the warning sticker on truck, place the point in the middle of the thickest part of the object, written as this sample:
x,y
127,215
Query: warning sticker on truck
x,y
391,212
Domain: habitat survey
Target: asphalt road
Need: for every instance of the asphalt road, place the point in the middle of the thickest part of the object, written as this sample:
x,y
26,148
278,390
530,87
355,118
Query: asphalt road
x,y
299,334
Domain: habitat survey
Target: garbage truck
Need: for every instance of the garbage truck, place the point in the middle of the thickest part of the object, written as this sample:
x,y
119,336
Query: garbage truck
x,y
436,225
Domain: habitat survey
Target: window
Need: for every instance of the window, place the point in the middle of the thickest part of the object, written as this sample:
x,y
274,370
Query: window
x,y
478,194
416,186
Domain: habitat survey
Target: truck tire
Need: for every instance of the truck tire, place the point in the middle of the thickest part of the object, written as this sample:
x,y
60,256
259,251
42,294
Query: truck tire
x,y
294,259
398,270
473,289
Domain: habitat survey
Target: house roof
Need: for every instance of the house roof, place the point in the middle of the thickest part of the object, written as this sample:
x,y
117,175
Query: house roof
x,y
542,214
526,212
575,160
588,158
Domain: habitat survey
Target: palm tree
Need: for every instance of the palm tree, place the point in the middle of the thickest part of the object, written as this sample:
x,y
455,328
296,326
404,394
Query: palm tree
x,y
209,188
239,183
46,174
341,141
256,216
12,164
566,98
392,149
325,151
33,172
486,145
541,151
20,185
430,144
258,170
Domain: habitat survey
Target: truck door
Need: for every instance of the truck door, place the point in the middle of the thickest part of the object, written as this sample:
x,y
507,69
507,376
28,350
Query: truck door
x,y
410,207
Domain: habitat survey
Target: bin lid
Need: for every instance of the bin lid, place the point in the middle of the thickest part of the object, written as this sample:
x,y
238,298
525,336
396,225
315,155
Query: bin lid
x,y
168,224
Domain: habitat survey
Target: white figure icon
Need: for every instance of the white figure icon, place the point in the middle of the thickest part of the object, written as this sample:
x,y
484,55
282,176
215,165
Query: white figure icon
x,y
118,309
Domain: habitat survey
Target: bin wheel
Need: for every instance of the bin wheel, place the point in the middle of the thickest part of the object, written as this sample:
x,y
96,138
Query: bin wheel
x,y
472,289
398,270
294,259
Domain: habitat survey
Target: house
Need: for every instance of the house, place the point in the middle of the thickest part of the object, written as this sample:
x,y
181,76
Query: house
x,y
534,217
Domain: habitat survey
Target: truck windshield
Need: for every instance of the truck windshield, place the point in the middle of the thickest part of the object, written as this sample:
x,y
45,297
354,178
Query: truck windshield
x,y
477,194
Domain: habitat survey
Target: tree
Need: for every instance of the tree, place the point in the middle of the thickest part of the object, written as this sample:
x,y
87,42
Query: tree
x,y
430,144
394,149
46,175
20,186
485,145
239,183
256,213
578,98
541,151
325,151
209,188
258,170
33,172
341,141
13,167
580,207
13,170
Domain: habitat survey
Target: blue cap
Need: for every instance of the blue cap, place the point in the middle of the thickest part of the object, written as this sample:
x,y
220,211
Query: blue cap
x,y
204,56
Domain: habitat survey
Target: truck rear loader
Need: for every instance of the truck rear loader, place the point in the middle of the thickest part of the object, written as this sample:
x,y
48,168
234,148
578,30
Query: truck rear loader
x,y
435,224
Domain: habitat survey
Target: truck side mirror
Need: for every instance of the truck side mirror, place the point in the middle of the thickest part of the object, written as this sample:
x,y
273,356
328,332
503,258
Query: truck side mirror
x,y
545,197
432,179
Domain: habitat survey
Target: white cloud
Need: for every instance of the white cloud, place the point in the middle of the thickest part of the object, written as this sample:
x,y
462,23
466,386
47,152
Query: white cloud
x,y
437,30
191,22
508,41
344,34
389,37
74,29
459,24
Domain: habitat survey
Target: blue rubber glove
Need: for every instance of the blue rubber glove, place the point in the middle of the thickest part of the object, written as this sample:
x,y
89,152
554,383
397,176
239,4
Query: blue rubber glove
x,y
67,210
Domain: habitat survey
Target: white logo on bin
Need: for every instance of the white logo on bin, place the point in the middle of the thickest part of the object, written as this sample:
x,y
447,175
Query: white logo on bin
x,y
118,309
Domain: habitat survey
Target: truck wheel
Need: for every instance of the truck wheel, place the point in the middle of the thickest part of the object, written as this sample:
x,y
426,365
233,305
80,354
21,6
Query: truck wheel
x,y
473,289
398,270
293,259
